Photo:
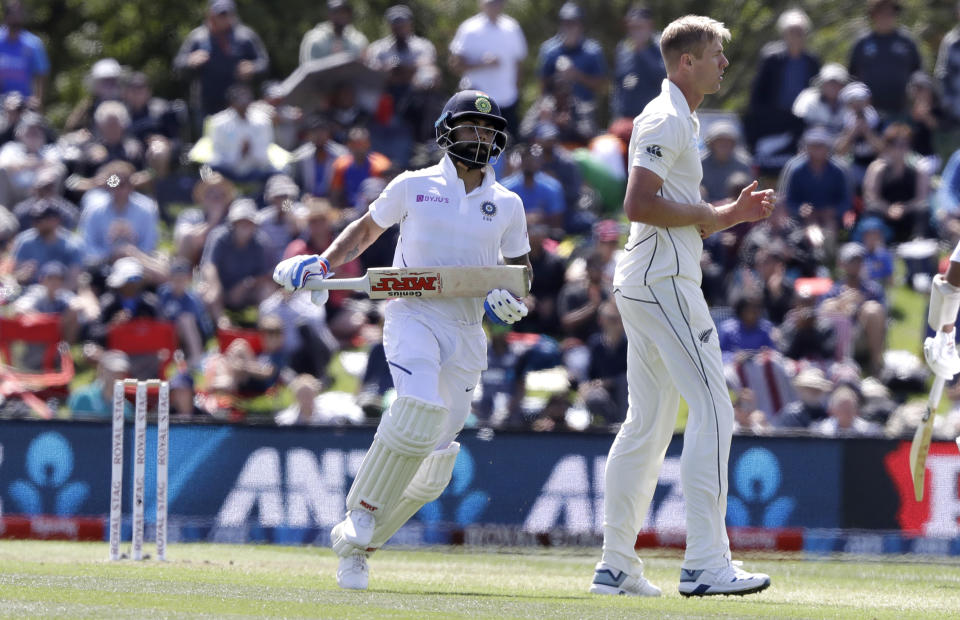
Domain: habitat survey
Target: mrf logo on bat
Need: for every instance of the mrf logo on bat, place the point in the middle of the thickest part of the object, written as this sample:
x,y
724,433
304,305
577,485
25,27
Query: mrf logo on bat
x,y
406,286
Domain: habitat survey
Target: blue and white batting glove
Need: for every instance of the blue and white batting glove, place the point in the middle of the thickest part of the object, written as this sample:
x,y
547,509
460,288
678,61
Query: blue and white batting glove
x,y
294,272
503,308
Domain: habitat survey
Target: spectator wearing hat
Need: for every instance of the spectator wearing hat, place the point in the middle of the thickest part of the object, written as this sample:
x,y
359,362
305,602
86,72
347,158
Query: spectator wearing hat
x,y
51,296
23,157
815,186
116,220
241,136
312,163
572,58
95,400
638,69
280,220
724,158
182,306
813,389
23,57
103,83
337,35
349,171
786,68
45,242
540,192
213,195
236,266
885,57
859,303
860,139
878,261
895,189
843,417
819,105
220,52
149,115
126,297
487,51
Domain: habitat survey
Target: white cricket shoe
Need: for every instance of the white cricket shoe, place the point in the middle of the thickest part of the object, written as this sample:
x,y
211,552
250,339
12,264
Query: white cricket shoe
x,y
608,580
353,572
731,579
357,528
941,354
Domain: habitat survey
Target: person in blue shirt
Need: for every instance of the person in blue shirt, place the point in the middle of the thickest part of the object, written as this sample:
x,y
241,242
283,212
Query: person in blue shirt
x,y
46,242
747,330
182,306
816,186
878,261
570,56
24,65
638,66
95,400
539,192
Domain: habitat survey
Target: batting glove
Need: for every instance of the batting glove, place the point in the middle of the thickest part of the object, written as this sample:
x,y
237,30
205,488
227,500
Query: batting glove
x,y
503,308
941,355
294,272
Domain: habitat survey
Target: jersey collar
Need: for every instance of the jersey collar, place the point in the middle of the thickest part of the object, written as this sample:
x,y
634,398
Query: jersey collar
x,y
449,171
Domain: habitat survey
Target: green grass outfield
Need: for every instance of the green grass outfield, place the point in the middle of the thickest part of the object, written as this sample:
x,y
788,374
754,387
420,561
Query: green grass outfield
x,y
73,580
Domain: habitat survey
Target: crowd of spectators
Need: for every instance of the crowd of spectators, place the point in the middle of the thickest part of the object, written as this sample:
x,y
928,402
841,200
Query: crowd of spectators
x,y
155,212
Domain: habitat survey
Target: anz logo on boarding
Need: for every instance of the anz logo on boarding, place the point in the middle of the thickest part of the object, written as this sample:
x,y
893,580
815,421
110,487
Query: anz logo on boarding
x,y
489,210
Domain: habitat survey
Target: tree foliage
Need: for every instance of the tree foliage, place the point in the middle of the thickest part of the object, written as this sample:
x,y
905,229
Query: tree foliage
x,y
146,34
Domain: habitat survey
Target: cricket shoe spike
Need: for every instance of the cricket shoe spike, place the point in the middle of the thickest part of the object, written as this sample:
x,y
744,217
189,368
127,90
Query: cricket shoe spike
x,y
358,527
730,579
353,573
608,580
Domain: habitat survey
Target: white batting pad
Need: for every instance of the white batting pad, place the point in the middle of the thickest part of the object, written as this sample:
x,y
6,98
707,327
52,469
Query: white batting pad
x,y
427,485
944,303
407,434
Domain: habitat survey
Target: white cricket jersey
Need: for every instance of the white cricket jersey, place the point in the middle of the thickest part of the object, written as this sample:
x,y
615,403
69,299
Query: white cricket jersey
x,y
441,225
665,141
504,39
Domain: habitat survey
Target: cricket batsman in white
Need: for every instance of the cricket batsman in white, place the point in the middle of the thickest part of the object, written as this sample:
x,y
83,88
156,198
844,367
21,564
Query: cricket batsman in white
x,y
673,347
940,351
451,214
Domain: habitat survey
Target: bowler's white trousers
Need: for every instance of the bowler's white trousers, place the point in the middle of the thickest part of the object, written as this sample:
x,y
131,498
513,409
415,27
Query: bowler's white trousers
x,y
673,351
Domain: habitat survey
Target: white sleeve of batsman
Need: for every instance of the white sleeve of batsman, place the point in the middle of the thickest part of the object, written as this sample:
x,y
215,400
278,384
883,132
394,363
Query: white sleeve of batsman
x,y
944,303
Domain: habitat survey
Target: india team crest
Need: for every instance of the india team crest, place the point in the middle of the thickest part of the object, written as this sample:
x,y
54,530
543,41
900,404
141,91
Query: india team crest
x,y
489,209
483,104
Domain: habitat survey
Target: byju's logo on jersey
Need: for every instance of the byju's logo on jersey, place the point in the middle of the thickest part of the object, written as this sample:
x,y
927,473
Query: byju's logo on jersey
x,y
654,149
433,198
489,210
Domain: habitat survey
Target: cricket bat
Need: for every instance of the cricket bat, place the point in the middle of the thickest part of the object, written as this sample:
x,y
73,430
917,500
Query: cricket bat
x,y
431,282
921,439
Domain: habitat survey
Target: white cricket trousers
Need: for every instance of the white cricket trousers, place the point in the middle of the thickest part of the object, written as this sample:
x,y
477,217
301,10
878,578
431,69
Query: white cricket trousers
x,y
673,351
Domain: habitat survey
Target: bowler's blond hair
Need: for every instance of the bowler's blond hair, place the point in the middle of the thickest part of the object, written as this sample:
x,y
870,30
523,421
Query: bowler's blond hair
x,y
689,35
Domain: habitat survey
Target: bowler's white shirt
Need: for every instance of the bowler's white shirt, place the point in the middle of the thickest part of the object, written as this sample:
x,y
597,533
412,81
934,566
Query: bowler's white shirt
x,y
441,225
478,36
665,141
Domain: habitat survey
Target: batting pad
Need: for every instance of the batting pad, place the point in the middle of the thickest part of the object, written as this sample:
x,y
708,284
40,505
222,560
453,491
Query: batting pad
x,y
427,485
407,434
944,303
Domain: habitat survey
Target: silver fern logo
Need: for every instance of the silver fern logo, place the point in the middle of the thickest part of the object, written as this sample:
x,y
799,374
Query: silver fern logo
x,y
704,336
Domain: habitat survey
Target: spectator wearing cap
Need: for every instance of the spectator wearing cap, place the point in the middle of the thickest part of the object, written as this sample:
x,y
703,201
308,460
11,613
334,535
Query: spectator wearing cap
x,y
820,104
115,220
843,417
539,192
860,139
311,165
241,136
279,220
182,306
95,400
860,302
51,296
103,82
149,115
236,266
24,65
815,186
947,70
337,35
23,157
723,158
219,53
813,389
46,186
560,164
45,242
487,51
885,57
350,170
878,261
409,60
126,297
570,57
213,195
785,69
638,69
895,189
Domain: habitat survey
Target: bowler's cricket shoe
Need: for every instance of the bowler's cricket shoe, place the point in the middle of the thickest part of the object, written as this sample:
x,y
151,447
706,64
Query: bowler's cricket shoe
x,y
608,580
731,579
358,527
353,572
